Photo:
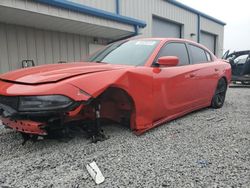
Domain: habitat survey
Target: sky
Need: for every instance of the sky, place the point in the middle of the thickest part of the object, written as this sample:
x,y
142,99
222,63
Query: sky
x,y
236,14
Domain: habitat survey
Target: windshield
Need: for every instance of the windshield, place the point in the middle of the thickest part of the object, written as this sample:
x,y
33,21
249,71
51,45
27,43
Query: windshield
x,y
133,52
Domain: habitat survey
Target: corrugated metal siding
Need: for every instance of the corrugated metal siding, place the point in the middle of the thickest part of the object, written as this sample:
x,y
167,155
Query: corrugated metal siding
x,y
108,5
216,29
18,43
65,18
144,9
4,58
43,46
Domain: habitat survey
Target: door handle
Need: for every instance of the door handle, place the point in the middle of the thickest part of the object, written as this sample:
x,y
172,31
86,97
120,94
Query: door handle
x,y
216,70
192,75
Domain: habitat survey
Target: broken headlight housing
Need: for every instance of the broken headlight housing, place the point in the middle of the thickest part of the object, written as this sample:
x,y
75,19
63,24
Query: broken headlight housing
x,y
43,103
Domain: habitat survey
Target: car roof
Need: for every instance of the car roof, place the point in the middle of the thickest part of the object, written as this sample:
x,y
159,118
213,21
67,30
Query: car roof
x,y
165,39
170,39
174,39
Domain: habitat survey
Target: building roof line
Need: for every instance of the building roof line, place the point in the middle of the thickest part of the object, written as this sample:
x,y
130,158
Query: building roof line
x,y
178,4
94,12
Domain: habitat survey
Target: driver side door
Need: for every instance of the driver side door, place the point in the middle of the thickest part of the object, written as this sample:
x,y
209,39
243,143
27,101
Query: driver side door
x,y
174,88
240,64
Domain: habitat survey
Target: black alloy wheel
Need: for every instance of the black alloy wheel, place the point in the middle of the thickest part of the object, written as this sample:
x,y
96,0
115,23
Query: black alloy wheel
x,y
220,94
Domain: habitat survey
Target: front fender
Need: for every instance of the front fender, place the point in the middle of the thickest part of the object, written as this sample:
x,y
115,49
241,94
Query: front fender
x,y
137,82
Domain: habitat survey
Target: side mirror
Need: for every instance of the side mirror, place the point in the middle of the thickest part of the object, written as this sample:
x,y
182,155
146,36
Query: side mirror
x,y
169,61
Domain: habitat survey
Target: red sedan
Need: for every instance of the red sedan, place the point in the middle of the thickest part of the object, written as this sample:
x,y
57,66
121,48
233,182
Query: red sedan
x,y
141,82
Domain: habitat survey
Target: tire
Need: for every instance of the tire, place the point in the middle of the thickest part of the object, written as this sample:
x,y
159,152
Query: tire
x,y
220,94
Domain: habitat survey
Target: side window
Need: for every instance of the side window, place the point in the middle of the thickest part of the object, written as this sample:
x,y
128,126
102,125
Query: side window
x,y
198,54
176,49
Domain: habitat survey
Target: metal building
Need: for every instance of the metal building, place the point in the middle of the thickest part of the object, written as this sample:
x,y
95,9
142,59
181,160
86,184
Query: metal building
x,y
51,31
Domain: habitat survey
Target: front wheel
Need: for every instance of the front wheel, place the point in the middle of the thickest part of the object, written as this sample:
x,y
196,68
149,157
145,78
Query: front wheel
x,y
220,94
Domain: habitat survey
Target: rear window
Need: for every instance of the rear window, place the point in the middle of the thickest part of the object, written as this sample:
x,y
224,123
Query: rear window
x,y
198,54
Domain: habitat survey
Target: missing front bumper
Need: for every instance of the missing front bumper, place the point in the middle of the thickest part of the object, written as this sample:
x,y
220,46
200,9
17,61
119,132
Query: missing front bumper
x,y
25,126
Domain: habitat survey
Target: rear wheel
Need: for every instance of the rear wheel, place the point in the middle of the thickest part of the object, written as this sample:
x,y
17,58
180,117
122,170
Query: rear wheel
x,y
220,94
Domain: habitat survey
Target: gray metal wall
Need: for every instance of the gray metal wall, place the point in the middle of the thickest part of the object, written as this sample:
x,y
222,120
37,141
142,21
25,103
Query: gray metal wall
x,y
18,43
146,9
44,46
33,14
108,5
216,29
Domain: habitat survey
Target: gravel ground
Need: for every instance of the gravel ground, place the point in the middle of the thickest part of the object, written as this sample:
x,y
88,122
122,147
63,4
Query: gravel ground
x,y
208,148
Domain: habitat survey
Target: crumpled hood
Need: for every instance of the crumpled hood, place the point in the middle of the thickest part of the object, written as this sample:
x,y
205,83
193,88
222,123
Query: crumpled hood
x,y
55,72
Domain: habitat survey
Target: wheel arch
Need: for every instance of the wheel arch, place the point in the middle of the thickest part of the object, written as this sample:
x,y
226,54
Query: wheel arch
x,y
225,78
113,91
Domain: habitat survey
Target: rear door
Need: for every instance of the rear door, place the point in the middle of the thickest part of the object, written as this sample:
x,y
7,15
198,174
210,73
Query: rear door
x,y
174,88
206,73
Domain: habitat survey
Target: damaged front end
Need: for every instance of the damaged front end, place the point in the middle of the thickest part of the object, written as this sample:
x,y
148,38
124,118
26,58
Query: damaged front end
x,y
36,114
51,99
49,114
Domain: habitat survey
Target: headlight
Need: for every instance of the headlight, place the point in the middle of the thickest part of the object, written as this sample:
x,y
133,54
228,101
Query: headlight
x,y
42,103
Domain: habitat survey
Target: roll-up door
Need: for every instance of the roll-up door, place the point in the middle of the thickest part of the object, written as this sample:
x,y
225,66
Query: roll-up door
x,y
164,28
208,40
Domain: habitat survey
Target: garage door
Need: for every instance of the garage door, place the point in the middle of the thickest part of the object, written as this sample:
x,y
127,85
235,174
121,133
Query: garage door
x,y
208,40
163,28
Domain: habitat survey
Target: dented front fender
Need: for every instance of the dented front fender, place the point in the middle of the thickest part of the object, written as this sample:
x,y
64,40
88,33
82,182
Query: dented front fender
x,y
136,81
